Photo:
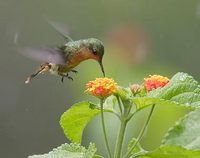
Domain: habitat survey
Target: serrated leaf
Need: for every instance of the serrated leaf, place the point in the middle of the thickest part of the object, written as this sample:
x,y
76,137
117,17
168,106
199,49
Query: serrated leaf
x,y
74,120
181,90
186,132
171,152
137,149
69,151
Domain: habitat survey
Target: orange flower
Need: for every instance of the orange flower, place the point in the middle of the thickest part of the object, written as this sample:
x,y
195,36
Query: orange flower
x,y
101,87
155,81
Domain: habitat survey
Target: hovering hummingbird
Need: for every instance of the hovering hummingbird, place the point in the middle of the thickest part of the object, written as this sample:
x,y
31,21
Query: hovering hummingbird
x,y
63,59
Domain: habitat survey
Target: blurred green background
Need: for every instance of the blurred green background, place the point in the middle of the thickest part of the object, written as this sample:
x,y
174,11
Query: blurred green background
x,y
141,37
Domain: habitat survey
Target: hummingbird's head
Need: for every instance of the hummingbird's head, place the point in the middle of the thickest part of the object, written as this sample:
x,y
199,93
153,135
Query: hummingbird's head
x,y
96,50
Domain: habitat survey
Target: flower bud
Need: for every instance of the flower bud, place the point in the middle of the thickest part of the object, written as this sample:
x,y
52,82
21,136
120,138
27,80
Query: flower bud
x,y
135,88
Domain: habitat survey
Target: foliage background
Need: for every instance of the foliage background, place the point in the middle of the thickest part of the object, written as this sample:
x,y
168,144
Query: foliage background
x,y
29,114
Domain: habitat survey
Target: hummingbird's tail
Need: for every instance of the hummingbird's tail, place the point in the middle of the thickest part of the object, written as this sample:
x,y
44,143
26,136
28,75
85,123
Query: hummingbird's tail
x,y
44,68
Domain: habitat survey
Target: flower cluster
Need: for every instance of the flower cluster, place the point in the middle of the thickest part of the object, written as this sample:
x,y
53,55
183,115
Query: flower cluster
x,y
155,81
101,87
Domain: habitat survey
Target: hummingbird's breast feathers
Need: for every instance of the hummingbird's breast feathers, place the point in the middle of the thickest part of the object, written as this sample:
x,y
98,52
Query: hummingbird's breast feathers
x,y
77,56
53,69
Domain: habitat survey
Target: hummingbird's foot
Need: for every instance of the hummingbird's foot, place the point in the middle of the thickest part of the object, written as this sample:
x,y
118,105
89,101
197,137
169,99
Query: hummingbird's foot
x,y
67,76
62,79
74,71
70,78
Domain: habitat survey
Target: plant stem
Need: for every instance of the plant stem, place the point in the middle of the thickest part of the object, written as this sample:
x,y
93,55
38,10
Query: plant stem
x,y
104,130
120,138
119,103
141,133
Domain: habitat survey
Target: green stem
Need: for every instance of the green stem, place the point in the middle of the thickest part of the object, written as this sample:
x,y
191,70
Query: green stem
x,y
104,130
119,103
120,138
141,133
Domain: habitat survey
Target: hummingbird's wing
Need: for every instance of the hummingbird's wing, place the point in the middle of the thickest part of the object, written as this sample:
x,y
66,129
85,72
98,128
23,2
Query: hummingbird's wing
x,y
60,29
49,55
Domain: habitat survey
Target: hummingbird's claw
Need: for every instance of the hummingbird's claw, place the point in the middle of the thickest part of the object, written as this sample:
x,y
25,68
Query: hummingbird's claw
x,y
74,71
67,75
70,78
62,79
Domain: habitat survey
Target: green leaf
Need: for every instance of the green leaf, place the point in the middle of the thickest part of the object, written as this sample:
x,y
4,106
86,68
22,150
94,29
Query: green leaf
x,y
74,120
124,93
171,152
186,132
143,102
97,156
69,151
181,90
137,149
110,103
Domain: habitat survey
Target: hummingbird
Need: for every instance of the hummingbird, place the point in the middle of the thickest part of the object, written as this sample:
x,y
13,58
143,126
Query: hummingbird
x,y
63,59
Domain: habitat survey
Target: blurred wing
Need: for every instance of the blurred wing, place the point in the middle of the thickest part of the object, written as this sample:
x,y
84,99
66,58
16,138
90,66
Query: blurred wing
x,y
49,55
60,29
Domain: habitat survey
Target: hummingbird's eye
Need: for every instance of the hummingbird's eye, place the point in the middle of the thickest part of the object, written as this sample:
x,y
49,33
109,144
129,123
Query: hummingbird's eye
x,y
94,51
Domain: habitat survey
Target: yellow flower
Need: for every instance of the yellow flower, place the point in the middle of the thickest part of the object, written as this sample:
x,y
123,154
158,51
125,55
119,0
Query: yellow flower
x,y
101,87
155,81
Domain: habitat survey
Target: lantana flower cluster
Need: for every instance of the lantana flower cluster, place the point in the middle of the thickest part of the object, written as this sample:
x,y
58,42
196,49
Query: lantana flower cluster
x,y
101,87
155,81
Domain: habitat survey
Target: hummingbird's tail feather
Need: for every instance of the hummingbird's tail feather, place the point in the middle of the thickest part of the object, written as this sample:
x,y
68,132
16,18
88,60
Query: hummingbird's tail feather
x,y
31,76
44,68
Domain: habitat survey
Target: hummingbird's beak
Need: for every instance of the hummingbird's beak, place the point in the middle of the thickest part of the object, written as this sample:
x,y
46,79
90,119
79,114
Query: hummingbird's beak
x,y
102,69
